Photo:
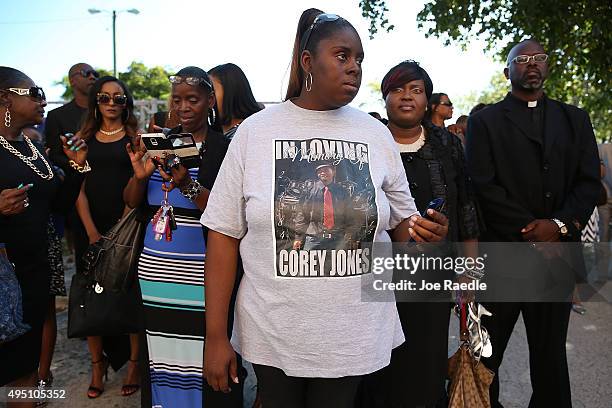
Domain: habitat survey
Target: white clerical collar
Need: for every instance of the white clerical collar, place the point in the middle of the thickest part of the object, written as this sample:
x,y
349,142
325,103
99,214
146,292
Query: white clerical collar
x,y
532,104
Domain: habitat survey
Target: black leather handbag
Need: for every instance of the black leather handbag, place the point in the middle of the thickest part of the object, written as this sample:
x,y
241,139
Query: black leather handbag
x,y
105,298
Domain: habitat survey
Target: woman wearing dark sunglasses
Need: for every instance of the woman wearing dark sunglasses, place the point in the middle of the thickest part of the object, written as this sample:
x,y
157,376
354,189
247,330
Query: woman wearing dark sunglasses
x,y
171,274
108,125
439,109
29,190
304,184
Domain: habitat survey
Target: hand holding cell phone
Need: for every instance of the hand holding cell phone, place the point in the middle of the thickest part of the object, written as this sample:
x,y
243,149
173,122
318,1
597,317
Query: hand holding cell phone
x,y
432,226
437,204
142,168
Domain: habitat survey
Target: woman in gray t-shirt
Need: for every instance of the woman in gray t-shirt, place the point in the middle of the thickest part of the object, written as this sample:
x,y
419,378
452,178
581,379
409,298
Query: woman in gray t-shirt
x,y
305,188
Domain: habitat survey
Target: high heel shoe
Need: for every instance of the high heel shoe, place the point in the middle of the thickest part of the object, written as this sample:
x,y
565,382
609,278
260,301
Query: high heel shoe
x,y
95,392
129,389
43,385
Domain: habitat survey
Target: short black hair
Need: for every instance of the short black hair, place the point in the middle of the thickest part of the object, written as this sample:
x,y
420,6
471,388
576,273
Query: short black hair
x,y
462,119
404,72
238,99
11,77
477,107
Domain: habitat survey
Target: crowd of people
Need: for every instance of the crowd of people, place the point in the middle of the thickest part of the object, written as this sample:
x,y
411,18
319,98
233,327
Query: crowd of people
x,y
254,276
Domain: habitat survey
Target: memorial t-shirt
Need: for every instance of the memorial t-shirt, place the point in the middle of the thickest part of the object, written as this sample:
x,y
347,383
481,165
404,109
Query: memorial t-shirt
x,y
333,181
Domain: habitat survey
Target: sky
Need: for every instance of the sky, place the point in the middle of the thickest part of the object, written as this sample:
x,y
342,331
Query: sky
x,y
44,38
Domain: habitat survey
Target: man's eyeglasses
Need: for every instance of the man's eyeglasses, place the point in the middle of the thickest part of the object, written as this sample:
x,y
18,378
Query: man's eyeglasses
x,y
193,81
321,18
449,104
34,92
104,99
524,59
87,72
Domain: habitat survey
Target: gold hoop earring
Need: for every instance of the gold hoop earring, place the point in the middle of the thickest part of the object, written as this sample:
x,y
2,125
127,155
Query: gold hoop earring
x,y
7,118
308,87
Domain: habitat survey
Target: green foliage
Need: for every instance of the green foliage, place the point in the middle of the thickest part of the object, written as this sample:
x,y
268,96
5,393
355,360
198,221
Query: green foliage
x,y
146,83
374,100
143,82
574,32
375,11
495,92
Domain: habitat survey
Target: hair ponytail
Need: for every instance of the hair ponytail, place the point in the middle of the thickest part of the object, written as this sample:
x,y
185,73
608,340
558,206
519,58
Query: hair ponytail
x,y
296,75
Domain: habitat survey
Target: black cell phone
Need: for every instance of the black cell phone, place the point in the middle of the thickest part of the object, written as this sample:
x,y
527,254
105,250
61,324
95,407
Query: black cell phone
x,y
182,145
437,204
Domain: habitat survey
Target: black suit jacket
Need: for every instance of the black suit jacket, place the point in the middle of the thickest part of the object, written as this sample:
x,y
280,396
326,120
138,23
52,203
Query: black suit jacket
x,y
518,178
312,211
62,120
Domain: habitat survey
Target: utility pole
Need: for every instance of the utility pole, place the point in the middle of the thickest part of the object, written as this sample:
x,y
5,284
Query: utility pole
x,y
114,46
114,14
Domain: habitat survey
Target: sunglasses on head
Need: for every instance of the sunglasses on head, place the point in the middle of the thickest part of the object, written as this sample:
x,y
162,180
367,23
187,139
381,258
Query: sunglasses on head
x,y
87,72
104,99
321,18
524,59
34,92
193,81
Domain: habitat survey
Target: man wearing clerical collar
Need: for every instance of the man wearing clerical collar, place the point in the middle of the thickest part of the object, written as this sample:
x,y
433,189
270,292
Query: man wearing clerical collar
x,y
534,165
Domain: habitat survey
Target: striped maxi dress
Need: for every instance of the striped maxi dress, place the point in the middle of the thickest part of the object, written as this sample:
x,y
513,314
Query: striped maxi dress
x,y
171,277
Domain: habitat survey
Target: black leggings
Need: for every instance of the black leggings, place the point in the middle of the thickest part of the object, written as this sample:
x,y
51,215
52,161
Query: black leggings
x,y
278,390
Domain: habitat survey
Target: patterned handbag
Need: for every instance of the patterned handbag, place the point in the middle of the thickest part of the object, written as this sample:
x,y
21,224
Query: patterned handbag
x,y
470,380
11,313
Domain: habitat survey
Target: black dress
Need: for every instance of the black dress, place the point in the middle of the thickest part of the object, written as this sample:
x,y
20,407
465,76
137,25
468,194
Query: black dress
x,y
25,236
418,367
111,170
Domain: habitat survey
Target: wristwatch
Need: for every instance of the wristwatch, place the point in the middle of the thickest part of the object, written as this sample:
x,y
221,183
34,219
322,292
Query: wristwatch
x,y
561,225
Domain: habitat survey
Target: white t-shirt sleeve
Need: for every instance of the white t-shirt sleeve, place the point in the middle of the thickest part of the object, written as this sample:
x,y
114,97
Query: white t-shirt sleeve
x,y
225,211
397,190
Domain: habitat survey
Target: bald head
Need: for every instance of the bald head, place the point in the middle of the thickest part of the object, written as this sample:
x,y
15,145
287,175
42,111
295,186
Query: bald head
x,y
526,74
81,77
519,49
76,68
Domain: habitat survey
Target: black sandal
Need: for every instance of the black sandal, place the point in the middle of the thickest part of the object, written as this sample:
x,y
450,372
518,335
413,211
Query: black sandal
x,y
129,389
95,392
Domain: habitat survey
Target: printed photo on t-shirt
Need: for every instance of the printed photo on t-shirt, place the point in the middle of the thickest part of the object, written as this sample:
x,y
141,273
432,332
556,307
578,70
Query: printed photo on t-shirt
x,y
325,213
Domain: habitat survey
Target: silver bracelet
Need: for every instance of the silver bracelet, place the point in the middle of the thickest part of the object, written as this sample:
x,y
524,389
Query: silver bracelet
x,y
192,190
475,274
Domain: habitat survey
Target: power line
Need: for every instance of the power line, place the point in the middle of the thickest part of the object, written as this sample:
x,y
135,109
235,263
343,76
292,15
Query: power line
x,y
49,21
